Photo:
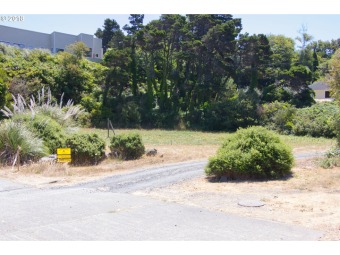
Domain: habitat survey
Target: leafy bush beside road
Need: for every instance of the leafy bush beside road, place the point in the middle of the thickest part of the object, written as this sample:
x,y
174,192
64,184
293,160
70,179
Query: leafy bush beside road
x,y
253,153
127,146
86,149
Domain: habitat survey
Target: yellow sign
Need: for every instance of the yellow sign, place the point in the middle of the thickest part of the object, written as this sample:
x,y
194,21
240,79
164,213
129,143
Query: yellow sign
x,y
64,156
63,160
64,151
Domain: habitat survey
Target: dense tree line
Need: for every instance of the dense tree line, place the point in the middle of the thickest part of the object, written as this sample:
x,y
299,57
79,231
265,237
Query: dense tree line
x,y
193,71
201,71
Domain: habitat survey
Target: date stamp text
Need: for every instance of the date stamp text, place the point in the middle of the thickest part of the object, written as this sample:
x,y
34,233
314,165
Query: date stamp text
x,y
11,18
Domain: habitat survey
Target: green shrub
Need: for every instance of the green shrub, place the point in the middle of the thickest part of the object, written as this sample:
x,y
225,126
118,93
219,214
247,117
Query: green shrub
x,y
3,88
83,119
45,128
86,149
337,129
252,153
15,134
127,146
130,116
230,114
317,120
276,92
278,116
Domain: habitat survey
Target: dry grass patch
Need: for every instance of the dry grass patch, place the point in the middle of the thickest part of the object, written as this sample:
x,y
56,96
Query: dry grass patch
x,y
62,174
37,174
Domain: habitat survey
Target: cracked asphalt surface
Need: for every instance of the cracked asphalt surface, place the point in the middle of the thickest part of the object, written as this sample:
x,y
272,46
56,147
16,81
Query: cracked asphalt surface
x,y
106,210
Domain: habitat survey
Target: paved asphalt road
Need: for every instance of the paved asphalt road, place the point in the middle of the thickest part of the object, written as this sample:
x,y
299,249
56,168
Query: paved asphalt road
x,y
106,210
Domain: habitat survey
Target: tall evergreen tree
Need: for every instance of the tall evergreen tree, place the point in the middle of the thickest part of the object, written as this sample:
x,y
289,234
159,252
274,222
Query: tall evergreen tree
x,y
136,21
305,54
110,27
253,58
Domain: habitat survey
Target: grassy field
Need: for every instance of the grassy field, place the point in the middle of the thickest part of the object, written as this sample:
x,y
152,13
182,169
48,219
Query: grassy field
x,y
157,137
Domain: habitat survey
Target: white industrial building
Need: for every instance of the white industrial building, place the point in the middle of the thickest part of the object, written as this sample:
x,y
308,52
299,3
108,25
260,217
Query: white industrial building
x,y
55,41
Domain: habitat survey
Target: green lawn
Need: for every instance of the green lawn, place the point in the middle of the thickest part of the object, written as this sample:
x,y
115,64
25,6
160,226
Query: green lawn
x,y
168,137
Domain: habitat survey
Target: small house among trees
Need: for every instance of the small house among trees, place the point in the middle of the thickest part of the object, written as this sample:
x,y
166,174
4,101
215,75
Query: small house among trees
x,y
322,91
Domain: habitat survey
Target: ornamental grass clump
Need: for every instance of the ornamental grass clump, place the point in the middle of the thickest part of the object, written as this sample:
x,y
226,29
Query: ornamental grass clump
x,y
44,105
46,128
18,142
252,153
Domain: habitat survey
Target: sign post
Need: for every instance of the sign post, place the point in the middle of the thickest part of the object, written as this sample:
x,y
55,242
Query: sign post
x,y
64,155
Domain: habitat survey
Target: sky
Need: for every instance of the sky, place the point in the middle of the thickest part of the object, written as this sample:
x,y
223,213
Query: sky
x,y
321,27
322,19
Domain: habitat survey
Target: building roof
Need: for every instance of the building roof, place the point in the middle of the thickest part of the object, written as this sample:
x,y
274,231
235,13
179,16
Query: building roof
x,y
320,85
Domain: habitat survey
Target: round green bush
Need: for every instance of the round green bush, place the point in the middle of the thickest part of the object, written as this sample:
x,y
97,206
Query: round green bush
x,y
86,149
252,153
127,146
